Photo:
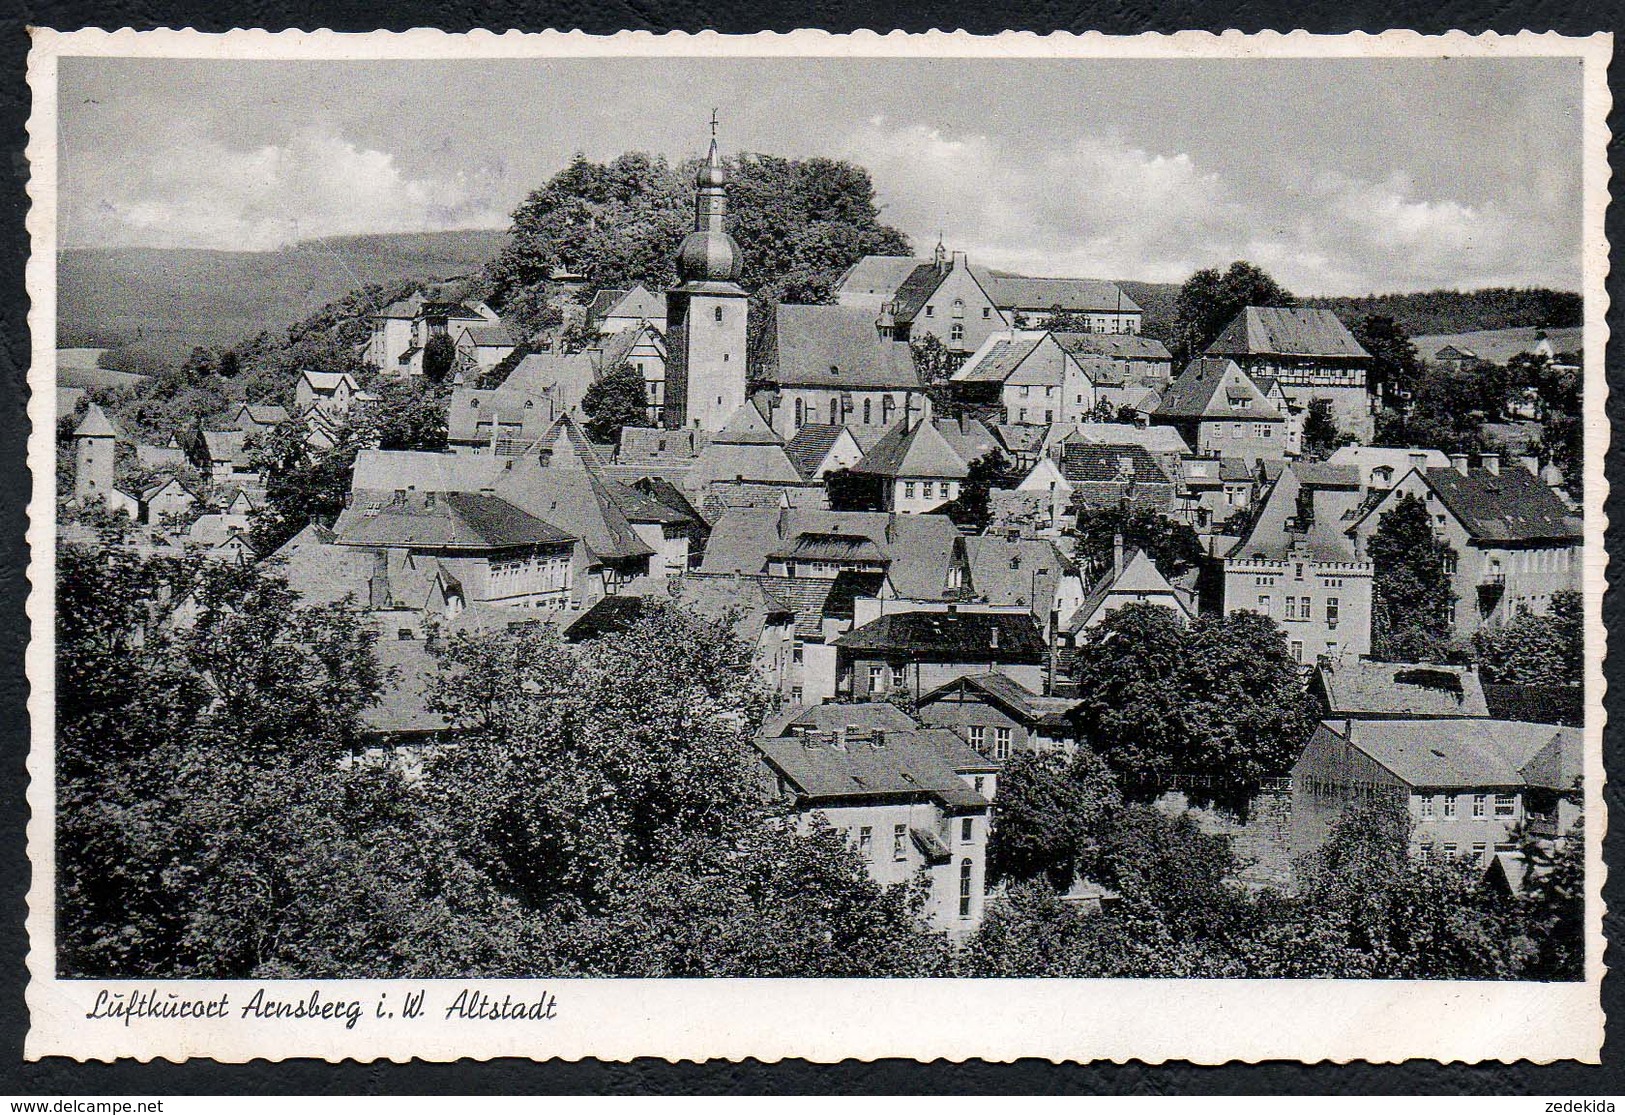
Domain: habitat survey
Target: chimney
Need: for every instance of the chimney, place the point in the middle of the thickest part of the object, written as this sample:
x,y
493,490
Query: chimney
x,y
837,738
993,637
961,261
784,521
1532,464
1458,461
1491,463
1419,461
1117,554
878,739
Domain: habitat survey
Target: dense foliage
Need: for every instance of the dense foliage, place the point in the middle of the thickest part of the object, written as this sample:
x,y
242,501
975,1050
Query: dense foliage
x,y
1429,313
1536,649
1173,547
973,510
1218,699
617,399
1210,299
1413,601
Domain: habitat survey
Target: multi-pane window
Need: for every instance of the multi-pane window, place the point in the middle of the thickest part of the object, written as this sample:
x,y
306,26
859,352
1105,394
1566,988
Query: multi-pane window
x,y
964,888
1001,743
1450,807
967,830
1427,808
1479,850
1264,605
1480,806
866,841
1334,611
957,331
875,671
897,678
1426,848
1297,650
1505,805
798,651
1292,607
976,736
899,834
908,489
1450,849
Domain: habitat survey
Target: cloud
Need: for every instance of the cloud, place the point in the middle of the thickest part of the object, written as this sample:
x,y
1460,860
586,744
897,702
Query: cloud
x,y
189,190
1098,206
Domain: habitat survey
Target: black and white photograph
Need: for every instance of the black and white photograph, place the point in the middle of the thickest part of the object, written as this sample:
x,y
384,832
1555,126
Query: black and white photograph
x,y
669,516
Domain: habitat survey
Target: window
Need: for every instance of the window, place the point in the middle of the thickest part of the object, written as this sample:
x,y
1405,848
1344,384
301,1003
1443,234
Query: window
x,y
1334,610
1297,571
1450,807
1262,429
930,311
801,414
1292,607
795,694
868,411
976,736
798,651
987,312
928,489
1331,650
967,830
866,841
1264,605
1479,850
1480,806
1001,744
1450,849
959,307
964,888
1026,391
875,670
1426,848
1021,417
899,833
1049,417
978,782
717,313
957,332
1505,805
897,676
1297,650
835,412
908,489
1450,563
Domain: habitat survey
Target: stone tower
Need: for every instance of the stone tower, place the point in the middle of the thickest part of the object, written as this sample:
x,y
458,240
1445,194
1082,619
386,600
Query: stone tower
x,y
94,443
706,311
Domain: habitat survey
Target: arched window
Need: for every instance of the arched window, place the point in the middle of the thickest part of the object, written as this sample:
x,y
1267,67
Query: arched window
x,y
964,888
957,333
717,313
835,412
801,413
868,413
959,307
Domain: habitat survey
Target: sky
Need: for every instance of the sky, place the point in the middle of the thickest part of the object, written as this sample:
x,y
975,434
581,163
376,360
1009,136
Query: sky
x,y
1338,176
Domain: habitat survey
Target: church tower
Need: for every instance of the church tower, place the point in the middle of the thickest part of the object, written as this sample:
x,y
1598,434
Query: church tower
x,y
705,312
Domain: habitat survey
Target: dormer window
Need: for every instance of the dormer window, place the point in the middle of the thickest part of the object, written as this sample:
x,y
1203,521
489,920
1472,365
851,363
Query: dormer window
x,y
834,369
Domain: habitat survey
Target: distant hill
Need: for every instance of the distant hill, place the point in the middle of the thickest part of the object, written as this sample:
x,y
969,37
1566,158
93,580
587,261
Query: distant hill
x,y
158,303
1454,311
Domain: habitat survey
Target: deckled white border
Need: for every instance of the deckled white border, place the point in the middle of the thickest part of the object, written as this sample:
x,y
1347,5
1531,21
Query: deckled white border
x,y
825,1020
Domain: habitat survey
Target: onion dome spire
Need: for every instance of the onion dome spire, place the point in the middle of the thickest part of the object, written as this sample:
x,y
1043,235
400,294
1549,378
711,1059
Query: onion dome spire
x,y
709,254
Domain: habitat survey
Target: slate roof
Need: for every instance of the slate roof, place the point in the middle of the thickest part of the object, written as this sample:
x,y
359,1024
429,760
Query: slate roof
x,y
1542,704
1119,346
1286,331
1010,695
1457,753
471,415
403,701
404,308
1084,463
1021,439
999,357
876,278
1204,388
639,302
562,377
918,450
833,717
950,637
1014,571
489,335
967,437
1016,292
915,290
1271,538
446,520
1362,687
811,445
1139,575
96,423
807,597
834,347
923,764
1510,507
829,546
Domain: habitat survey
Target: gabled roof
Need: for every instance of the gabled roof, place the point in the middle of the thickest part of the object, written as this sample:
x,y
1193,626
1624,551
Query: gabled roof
x,y
1204,390
1155,439
922,764
616,347
917,450
1139,577
811,445
224,445
403,701
263,414
1456,753
639,302
1016,292
834,347
1082,462
951,637
1510,507
1119,346
915,290
1010,695
875,279
576,500
999,357
1277,530
1362,687
488,335
325,383
867,716
1286,331
418,470
404,308
746,426
1497,346
829,546
566,444
969,438
446,520
1022,571
561,377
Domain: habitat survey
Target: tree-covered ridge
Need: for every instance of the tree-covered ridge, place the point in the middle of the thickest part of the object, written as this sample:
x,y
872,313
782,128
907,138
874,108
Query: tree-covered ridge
x,y
1457,311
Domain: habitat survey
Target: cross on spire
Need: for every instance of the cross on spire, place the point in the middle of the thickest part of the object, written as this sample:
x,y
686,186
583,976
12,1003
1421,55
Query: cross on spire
x,y
713,123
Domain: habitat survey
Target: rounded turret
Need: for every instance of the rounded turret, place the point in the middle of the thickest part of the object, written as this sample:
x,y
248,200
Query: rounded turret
x,y
708,256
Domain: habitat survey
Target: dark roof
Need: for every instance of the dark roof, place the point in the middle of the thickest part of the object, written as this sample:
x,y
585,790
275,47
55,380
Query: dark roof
x,y
924,764
1451,753
609,615
1002,357
1539,704
829,546
849,584
834,346
1203,390
914,291
603,301
811,445
1511,506
951,636
1010,695
1286,331
1081,461
445,520
917,450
